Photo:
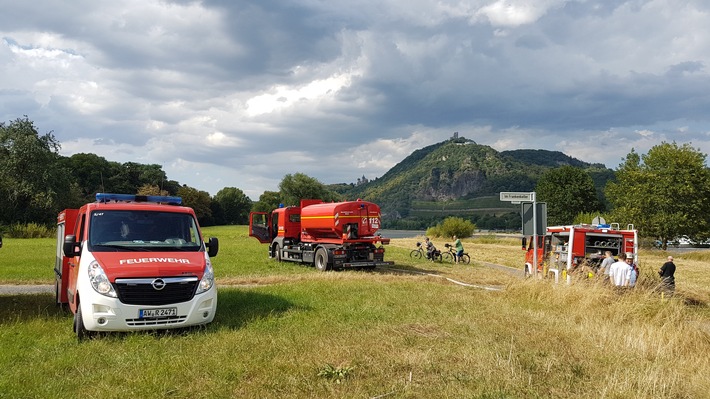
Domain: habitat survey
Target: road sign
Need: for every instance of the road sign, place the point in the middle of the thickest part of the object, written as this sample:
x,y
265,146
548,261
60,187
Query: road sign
x,y
517,197
534,221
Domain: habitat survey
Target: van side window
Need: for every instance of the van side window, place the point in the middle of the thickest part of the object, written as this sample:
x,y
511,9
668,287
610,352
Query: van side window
x,y
79,230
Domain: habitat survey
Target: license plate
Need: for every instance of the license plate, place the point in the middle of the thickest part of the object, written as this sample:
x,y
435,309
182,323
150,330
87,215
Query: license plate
x,y
153,313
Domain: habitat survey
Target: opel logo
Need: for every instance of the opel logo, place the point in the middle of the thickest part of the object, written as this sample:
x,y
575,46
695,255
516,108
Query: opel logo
x,y
158,284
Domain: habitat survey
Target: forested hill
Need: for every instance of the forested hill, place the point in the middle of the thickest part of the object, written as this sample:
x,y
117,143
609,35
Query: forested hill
x,y
460,169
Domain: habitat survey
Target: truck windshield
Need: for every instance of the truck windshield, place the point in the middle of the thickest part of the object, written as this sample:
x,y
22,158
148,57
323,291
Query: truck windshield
x,y
139,230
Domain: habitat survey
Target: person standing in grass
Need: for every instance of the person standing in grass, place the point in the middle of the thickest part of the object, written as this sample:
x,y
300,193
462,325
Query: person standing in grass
x,y
667,273
634,270
459,249
606,264
620,272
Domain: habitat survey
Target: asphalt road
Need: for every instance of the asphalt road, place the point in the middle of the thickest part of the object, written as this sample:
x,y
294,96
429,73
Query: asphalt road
x,y
7,289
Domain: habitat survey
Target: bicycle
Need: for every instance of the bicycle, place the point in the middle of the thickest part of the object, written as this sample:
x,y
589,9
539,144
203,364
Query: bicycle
x,y
417,253
421,253
450,255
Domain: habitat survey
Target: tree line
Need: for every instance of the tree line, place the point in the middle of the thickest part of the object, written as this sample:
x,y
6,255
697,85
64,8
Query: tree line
x,y
664,193
36,183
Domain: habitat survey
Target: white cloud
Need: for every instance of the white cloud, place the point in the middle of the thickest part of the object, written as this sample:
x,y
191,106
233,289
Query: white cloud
x,y
240,94
516,12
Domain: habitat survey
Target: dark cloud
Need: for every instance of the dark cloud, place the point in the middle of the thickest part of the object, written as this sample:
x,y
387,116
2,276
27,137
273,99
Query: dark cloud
x,y
238,93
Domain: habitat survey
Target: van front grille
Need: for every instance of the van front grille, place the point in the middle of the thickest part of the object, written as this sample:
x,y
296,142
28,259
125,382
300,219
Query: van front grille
x,y
156,291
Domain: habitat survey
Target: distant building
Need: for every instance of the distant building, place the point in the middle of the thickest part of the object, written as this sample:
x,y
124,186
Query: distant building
x,y
362,180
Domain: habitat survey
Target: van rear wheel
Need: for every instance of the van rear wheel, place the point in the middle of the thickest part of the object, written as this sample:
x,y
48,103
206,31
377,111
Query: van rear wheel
x,y
57,296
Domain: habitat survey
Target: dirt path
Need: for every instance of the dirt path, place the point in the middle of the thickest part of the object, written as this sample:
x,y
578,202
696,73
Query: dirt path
x,y
8,289
33,289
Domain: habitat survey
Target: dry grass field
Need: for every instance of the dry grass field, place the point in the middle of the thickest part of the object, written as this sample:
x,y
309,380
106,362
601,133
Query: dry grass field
x,y
416,330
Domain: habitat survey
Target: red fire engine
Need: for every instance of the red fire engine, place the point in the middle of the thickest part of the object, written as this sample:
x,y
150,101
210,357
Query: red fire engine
x,y
328,235
565,248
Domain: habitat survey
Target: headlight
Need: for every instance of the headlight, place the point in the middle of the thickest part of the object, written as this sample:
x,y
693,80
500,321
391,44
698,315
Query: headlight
x,y
99,280
207,278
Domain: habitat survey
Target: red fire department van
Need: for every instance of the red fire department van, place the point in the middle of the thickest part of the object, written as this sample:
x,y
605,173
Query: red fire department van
x,y
128,262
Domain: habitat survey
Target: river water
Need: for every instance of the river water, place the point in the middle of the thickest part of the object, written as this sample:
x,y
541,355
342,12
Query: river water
x,y
401,233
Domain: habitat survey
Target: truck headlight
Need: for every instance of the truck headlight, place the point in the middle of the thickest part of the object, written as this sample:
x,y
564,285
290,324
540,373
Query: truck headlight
x,y
99,280
207,278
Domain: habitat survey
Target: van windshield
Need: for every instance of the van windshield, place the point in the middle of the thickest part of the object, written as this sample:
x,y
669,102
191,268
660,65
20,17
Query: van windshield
x,y
140,230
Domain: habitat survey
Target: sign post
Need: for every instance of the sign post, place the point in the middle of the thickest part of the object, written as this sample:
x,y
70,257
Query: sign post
x,y
526,198
516,197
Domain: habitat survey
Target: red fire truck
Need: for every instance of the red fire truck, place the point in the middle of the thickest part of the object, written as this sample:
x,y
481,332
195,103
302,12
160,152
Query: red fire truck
x,y
128,262
565,248
327,235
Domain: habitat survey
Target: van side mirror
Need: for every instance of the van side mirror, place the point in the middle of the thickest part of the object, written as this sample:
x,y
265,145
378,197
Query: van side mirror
x,y
525,242
212,247
70,246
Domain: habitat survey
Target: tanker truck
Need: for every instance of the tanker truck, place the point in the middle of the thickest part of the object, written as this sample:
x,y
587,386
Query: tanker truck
x,y
334,235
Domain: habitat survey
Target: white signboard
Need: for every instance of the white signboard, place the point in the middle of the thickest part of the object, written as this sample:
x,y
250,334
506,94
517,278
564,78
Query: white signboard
x,y
517,197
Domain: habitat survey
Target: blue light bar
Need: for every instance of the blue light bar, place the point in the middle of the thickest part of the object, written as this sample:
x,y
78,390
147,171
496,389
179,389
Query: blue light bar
x,y
104,197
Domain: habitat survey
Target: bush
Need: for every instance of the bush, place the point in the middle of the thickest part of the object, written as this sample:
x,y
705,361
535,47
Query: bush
x,y
29,230
452,226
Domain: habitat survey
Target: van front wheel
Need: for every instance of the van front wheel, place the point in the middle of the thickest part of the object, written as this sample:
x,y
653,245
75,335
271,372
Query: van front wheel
x,y
81,332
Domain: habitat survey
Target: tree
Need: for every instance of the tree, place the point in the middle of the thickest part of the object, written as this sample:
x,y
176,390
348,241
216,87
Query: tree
x,y
234,204
299,186
33,185
663,193
568,191
200,201
452,226
149,189
268,201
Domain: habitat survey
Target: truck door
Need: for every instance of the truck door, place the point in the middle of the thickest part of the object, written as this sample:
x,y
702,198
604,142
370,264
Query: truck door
x,y
259,227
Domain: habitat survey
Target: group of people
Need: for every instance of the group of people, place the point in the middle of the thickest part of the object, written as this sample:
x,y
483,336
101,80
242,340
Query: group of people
x,y
621,273
431,249
624,272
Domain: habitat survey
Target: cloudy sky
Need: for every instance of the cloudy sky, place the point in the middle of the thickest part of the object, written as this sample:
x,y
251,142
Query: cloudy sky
x,y
232,93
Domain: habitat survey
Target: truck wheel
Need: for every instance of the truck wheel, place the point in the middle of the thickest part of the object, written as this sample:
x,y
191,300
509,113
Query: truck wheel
x,y
321,260
277,252
81,332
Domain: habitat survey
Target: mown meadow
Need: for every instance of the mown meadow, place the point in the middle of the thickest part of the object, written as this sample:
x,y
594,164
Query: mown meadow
x,y
284,330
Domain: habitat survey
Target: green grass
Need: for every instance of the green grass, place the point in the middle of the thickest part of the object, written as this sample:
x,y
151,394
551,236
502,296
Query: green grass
x,y
27,260
292,332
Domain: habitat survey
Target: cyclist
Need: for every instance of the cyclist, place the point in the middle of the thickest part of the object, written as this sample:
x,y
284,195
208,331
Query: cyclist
x,y
430,248
459,249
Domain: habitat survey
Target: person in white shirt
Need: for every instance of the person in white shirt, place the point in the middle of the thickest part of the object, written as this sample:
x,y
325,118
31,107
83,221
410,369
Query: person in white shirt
x,y
620,272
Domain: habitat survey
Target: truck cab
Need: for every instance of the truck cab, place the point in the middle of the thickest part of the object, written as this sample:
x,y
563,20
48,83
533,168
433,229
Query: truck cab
x,y
128,262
